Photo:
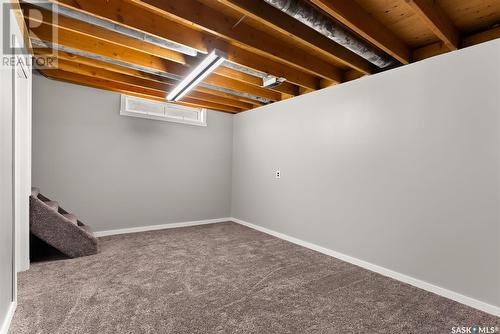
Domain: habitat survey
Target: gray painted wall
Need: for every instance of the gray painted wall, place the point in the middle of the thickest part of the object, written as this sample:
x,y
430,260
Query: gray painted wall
x,y
116,172
400,169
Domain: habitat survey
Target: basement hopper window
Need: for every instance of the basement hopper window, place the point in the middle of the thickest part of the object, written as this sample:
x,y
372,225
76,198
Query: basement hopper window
x,y
162,111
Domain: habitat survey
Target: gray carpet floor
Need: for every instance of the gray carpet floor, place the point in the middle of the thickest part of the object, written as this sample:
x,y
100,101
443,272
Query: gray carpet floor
x,y
223,278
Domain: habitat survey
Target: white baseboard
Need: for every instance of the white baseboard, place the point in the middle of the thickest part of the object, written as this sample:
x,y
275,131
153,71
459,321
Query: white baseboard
x,y
160,227
8,318
485,307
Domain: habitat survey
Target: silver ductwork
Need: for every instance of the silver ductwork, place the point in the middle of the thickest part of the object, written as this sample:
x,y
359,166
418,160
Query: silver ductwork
x,y
313,18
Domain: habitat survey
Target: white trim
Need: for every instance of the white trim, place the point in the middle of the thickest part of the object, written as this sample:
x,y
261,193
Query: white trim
x,y
485,307
8,318
170,112
160,227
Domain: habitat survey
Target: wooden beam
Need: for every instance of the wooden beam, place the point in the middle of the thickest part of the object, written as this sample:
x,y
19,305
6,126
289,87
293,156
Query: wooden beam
x,y
128,89
352,75
101,83
237,75
481,37
210,105
430,50
126,13
89,67
139,45
107,35
90,44
273,18
304,90
438,48
102,64
233,84
285,87
134,16
191,12
249,59
159,89
359,20
274,56
59,76
220,100
147,76
83,42
437,20
91,71
325,84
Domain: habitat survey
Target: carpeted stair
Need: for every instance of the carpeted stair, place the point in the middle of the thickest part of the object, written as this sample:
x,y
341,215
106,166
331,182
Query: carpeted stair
x,y
59,228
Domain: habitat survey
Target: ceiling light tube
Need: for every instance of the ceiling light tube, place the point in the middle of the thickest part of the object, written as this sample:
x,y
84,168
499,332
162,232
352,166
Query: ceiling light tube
x,y
200,72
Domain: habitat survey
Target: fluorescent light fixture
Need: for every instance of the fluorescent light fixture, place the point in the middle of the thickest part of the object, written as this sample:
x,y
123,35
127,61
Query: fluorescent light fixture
x,y
210,63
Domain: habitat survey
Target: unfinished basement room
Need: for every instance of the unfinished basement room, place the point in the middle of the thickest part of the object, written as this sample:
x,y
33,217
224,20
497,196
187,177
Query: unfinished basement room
x,y
250,166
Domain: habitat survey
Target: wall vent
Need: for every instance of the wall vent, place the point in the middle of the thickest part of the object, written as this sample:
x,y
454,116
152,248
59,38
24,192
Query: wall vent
x,y
162,111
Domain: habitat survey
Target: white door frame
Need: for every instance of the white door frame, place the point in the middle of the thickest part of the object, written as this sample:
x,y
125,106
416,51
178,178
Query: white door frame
x,y
22,158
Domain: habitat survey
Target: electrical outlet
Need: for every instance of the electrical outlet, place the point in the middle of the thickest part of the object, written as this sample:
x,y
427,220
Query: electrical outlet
x,y
277,174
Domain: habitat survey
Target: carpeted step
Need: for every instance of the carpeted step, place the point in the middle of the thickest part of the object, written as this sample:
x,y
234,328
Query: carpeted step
x,y
60,229
71,217
35,192
53,205
87,228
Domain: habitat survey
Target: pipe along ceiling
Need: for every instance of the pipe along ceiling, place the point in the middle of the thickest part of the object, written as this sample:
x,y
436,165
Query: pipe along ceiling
x,y
313,18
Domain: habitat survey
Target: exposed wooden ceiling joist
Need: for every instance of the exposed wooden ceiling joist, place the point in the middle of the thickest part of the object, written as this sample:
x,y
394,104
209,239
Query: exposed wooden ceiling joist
x,y
273,18
356,18
79,41
142,46
438,21
117,50
191,12
238,101
107,35
99,82
481,37
249,59
152,50
438,48
127,89
285,87
161,88
120,11
126,13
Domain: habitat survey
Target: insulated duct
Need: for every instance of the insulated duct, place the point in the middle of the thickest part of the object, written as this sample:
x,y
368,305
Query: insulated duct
x,y
313,18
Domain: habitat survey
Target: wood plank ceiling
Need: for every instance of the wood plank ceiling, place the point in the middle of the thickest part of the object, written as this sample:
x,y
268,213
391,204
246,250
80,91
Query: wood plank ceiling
x,y
258,39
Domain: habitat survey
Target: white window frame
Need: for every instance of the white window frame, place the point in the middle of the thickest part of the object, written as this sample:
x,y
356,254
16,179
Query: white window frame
x,y
202,112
